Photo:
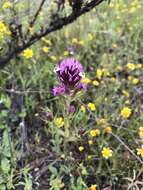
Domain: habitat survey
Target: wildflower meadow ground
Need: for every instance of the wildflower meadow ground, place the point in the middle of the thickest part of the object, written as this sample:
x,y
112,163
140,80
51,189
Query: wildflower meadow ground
x,y
71,105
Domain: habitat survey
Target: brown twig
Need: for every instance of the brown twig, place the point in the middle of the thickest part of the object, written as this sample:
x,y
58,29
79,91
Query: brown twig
x,y
54,25
32,22
131,151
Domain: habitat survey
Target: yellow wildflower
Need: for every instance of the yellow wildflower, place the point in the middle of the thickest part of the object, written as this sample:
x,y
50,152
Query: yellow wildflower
x,y
127,102
85,80
45,49
108,129
81,148
102,121
131,66
90,36
53,58
126,112
106,152
90,142
82,108
59,122
95,132
114,46
132,9
139,66
66,53
89,157
95,83
28,53
140,152
141,132
99,73
135,80
31,30
81,42
105,72
119,68
74,40
63,156
129,78
91,106
3,28
7,5
113,79
93,187
125,93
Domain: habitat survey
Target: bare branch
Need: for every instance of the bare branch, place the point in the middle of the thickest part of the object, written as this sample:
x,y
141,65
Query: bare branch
x,y
57,24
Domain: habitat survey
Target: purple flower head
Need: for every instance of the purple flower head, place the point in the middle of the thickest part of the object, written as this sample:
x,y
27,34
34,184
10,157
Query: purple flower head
x,y
59,90
72,109
70,72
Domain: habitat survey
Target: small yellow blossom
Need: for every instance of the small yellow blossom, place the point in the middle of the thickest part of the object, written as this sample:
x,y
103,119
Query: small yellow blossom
x,y
132,10
131,66
125,93
129,78
90,142
66,53
113,79
90,36
74,40
127,102
83,109
63,156
99,73
89,157
81,148
106,152
6,5
126,112
85,80
119,68
114,46
28,53
93,187
105,72
59,122
95,83
81,42
141,132
102,121
95,132
139,66
53,58
47,41
135,81
31,30
3,28
91,106
140,152
108,129
45,49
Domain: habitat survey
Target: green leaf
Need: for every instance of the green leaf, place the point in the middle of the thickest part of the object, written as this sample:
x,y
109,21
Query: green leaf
x,y
5,165
5,144
2,187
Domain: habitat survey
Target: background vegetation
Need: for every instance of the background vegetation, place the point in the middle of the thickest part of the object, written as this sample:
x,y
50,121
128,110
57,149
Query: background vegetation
x,y
100,144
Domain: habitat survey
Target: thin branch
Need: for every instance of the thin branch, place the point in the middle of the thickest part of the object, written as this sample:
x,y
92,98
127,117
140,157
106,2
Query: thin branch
x,y
131,151
54,25
37,13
